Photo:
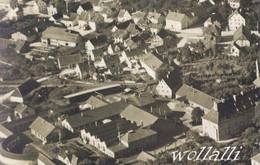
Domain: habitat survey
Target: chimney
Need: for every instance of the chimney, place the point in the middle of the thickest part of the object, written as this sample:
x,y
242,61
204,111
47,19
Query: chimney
x,y
235,97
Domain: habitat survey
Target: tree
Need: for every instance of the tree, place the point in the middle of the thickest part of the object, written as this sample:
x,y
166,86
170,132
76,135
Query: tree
x,y
196,115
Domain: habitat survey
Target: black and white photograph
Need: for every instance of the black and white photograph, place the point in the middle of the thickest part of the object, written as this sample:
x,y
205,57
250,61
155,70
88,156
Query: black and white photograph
x,y
129,82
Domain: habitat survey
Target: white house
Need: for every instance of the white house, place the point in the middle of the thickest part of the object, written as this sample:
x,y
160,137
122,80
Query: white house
x,y
234,50
52,10
165,87
124,16
255,160
151,64
234,4
177,21
235,20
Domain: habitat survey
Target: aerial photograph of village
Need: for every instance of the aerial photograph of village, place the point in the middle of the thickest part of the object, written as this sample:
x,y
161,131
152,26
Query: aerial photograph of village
x,y
129,82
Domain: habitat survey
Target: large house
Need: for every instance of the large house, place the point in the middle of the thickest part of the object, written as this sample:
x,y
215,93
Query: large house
x,y
43,130
24,90
196,98
177,21
151,64
242,37
69,61
166,86
231,116
60,37
235,20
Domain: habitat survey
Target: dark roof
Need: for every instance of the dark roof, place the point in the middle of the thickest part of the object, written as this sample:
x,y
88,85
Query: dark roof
x,y
25,88
124,25
100,113
98,40
87,6
162,33
83,67
42,127
70,59
57,16
242,33
113,63
169,79
197,96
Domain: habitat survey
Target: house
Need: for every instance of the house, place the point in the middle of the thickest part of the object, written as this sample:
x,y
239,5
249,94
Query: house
x,y
139,116
27,34
69,61
52,9
166,86
71,156
141,100
23,110
177,21
133,30
106,12
89,119
55,18
122,25
158,39
123,16
93,103
162,51
107,134
85,7
120,35
155,28
96,55
112,64
234,50
215,19
24,90
212,31
130,56
234,4
95,43
235,20
255,160
83,19
196,98
43,130
151,64
145,157
60,37
230,117
242,37
22,46
82,70
132,42
155,18
114,49
70,20
41,7
136,16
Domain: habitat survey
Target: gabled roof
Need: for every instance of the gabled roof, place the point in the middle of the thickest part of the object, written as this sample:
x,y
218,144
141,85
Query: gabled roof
x,y
57,16
42,127
151,61
84,16
98,40
173,16
45,160
137,135
125,24
138,14
96,102
145,156
60,34
84,67
197,96
169,80
242,33
153,15
142,99
26,88
20,108
70,59
236,12
122,13
139,116
100,113
86,6
256,158
113,63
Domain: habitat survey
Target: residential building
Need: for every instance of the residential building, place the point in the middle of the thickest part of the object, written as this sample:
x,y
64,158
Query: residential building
x,y
145,157
95,43
123,16
85,7
234,4
82,70
215,19
93,103
120,35
242,37
24,90
151,64
155,18
196,98
141,99
112,65
23,110
235,20
43,130
177,21
166,86
230,117
234,50
132,42
69,61
60,37
26,34
93,118
114,49
130,56
255,160
70,20
52,9
56,18
136,16
158,39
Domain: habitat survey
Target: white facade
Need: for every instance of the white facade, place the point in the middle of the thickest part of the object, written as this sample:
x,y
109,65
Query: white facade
x,y
163,89
55,42
125,17
16,99
236,21
234,51
210,129
234,4
149,71
156,41
52,10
